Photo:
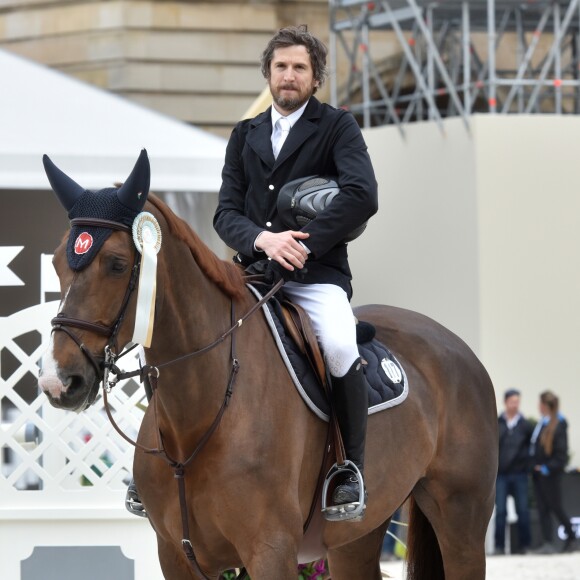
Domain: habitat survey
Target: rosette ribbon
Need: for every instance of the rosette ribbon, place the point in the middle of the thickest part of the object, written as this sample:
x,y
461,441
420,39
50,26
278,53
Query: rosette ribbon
x,y
147,238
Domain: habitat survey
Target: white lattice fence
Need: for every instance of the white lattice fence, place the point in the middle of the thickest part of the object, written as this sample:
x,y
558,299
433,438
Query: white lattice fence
x,y
62,471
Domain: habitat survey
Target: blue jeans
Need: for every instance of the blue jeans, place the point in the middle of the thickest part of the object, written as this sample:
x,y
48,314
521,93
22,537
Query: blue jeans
x,y
389,541
516,485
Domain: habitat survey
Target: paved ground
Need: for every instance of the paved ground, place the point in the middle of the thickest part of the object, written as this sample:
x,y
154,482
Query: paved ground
x,y
558,567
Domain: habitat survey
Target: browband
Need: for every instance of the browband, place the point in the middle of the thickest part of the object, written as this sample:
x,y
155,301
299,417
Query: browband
x,y
100,223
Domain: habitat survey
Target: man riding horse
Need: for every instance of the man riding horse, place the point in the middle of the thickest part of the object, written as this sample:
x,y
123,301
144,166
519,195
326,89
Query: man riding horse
x,y
297,138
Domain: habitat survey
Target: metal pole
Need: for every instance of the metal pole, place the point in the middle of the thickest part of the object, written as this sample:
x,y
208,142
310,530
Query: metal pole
x,y
439,63
576,65
557,63
553,50
386,98
492,89
527,59
415,67
520,54
333,56
480,84
419,101
352,55
466,58
430,59
366,90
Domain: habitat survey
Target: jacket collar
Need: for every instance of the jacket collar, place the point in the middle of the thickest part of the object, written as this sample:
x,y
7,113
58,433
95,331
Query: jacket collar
x,y
260,132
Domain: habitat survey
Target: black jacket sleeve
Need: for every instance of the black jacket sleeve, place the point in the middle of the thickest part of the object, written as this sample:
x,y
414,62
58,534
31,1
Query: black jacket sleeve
x,y
358,197
230,222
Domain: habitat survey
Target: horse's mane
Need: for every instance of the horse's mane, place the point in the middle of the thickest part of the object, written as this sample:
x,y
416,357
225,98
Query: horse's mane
x,y
225,275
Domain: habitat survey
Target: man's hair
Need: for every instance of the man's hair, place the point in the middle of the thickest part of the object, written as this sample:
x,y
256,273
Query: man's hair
x,y
292,36
510,393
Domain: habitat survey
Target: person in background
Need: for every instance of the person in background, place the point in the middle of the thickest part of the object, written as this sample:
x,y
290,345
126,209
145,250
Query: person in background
x,y
512,477
549,453
389,549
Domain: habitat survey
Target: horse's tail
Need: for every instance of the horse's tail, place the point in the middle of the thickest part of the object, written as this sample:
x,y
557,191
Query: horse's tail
x,y
424,561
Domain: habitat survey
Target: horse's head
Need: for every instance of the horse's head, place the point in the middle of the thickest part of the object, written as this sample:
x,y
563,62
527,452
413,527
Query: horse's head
x,y
97,265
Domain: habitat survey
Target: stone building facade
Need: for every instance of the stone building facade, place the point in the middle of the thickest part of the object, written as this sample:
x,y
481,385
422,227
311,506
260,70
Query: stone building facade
x,y
193,60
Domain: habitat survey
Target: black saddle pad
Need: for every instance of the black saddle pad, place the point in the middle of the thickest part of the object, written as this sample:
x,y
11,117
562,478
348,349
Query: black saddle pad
x,y
386,378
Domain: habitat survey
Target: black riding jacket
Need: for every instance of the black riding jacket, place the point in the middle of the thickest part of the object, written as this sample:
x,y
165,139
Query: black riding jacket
x,y
514,445
556,462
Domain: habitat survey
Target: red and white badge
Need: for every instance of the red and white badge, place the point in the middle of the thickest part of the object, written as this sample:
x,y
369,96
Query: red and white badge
x,y
83,243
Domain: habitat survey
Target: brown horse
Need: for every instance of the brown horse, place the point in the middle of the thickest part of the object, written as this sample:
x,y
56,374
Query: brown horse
x,y
249,489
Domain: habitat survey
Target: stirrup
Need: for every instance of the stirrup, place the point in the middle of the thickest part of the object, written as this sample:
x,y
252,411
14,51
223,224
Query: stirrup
x,y
346,511
133,502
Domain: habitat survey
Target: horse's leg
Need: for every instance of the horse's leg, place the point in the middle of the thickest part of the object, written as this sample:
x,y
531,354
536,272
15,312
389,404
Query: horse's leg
x,y
272,555
173,563
459,519
358,559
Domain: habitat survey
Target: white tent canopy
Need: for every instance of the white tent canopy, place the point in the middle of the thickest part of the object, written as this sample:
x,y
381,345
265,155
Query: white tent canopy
x,y
94,136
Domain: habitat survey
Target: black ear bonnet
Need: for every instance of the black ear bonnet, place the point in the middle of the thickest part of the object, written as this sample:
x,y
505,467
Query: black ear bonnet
x,y
120,205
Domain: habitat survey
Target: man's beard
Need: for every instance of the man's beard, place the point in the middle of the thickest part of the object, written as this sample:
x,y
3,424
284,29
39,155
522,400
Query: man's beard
x,y
289,104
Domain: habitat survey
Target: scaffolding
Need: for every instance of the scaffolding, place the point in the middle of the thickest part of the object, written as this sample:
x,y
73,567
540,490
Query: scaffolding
x,y
411,60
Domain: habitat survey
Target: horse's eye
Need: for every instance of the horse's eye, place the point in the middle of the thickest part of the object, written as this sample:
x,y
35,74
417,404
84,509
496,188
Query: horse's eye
x,y
118,266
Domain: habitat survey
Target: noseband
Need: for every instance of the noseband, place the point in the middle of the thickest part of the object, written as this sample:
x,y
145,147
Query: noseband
x,y
64,323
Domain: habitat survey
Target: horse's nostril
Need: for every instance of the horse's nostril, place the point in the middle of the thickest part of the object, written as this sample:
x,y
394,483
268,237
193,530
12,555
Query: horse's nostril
x,y
73,383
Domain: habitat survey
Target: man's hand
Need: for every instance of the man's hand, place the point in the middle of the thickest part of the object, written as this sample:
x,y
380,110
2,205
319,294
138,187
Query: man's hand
x,y
284,247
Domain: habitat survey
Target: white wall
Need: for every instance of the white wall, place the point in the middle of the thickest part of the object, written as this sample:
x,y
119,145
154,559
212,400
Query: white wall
x,y
529,215
419,251
481,231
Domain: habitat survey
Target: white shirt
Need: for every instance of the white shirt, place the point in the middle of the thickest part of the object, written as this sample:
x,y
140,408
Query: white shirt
x,y
292,118
511,423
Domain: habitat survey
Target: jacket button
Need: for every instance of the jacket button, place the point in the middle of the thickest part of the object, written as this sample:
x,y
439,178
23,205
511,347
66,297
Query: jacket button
x,y
269,224
271,187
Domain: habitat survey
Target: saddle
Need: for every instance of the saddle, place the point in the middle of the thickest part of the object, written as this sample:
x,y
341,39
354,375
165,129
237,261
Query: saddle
x,y
298,326
294,334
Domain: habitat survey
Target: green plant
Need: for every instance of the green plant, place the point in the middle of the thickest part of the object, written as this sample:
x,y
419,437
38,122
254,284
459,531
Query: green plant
x,y
313,571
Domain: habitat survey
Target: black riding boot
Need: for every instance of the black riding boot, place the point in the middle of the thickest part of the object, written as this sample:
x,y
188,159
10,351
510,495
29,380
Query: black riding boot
x,y
350,399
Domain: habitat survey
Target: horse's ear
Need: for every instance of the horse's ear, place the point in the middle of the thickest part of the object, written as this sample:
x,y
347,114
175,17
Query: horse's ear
x,y
67,190
133,193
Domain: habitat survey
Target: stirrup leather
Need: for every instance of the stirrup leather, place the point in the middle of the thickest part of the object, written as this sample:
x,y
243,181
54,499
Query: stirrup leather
x,y
347,511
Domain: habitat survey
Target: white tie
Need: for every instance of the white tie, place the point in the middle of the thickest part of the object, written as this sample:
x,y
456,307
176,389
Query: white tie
x,y
284,129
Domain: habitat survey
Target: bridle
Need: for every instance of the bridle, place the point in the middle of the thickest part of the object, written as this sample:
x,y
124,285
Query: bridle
x,y
105,366
62,322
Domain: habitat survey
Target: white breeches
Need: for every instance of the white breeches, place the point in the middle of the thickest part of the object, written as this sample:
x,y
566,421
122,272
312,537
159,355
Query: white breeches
x,y
333,321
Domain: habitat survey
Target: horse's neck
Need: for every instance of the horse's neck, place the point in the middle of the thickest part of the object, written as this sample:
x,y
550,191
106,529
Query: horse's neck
x,y
193,314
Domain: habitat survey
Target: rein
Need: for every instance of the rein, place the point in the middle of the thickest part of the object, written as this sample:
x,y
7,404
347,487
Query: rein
x,y
107,367
146,370
152,372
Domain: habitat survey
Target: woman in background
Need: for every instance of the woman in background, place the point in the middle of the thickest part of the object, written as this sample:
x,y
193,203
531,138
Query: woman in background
x,y
549,453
